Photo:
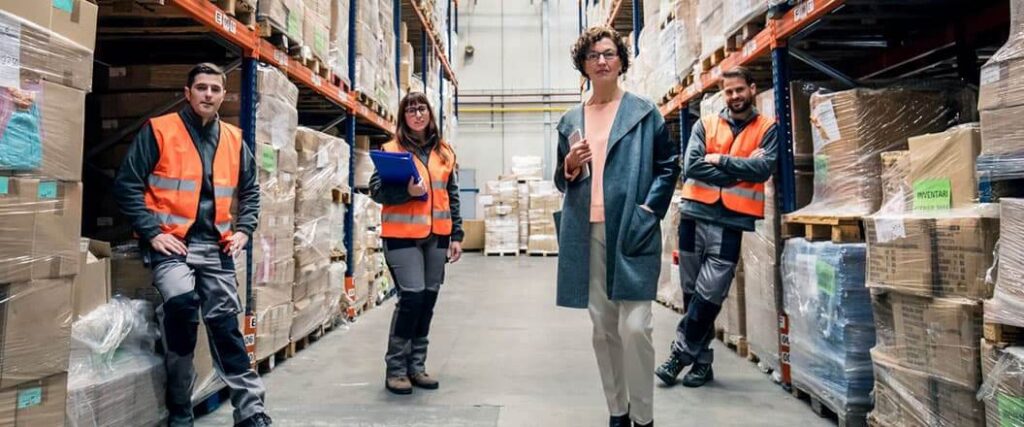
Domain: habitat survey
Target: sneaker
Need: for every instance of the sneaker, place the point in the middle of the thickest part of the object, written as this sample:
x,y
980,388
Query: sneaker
x,y
699,375
258,420
669,371
398,385
424,381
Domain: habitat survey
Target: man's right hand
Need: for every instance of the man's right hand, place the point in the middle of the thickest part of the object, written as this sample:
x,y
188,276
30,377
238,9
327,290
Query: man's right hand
x,y
579,154
169,245
416,189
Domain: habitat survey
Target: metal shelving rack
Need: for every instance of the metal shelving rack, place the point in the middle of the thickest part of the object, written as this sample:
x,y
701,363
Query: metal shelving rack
x,y
874,40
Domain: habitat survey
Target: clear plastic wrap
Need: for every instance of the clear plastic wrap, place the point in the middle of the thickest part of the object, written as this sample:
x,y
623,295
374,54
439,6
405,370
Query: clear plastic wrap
x,y
1007,304
367,245
314,199
711,20
912,398
524,215
528,168
42,130
545,200
851,129
115,376
273,83
1001,101
670,290
1003,389
335,287
40,223
831,325
501,216
33,52
35,325
688,43
285,15
737,13
712,104
337,57
316,34
762,310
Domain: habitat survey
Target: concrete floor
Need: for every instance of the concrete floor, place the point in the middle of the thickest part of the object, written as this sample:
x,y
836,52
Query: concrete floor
x,y
505,356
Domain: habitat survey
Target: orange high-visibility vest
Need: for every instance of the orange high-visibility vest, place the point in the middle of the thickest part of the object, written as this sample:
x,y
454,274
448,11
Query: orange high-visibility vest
x,y
418,219
745,197
172,193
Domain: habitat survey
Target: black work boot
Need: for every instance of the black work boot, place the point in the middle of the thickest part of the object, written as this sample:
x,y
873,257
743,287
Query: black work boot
x,y
258,420
669,371
619,421
699,375
650,424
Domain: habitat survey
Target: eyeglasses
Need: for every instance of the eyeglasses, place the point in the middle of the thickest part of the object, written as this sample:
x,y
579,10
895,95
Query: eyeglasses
x,y
415,111
608,56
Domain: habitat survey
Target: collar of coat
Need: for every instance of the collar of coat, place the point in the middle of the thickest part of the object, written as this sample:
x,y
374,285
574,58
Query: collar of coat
x,y
632,110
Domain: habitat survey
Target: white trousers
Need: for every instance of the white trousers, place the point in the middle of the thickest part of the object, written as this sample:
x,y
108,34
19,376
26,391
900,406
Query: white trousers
x,y
622,341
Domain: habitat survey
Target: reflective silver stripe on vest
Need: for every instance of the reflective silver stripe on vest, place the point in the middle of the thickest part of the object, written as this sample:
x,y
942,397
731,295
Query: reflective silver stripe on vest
x,y
405,219
702,184
745,193
166,218
443,215
224,227
223,191
438,185
171,183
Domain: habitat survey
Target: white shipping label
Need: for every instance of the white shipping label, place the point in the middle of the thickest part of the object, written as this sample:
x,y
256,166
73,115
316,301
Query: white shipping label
x,y
10,53
889,229
824,121
992,74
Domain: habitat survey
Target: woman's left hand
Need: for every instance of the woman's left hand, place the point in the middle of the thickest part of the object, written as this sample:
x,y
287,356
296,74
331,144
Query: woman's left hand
x,y
454,252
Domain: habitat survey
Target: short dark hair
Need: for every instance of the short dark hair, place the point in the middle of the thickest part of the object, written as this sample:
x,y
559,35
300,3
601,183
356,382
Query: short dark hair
x,y
740,73
592,36
206,68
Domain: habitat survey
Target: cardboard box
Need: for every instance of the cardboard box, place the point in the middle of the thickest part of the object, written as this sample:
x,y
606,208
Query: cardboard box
x,y
896,190
36,403
474,238
1001,131
761,297
131,278
945,162
43,55
943,255
316,33
132,393
733,319
1001,80
1004,391
41,222
912,398
91,287
286,15
63,111
308,314
74,20
936,336
36,330
273,329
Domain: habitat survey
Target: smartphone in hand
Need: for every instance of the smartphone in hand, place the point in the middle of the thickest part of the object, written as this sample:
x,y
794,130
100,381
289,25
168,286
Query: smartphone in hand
x,y
577,136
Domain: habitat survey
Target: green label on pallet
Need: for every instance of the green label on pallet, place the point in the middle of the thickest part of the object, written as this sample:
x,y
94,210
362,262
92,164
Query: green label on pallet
x,y
820,169
5,185
294,25
47,190
30,397
320,42
932,194
826,277
268,158
65,5
1011,410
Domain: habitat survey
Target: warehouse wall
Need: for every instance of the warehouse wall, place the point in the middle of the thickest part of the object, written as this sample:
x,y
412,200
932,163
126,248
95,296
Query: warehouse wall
x,y
509,55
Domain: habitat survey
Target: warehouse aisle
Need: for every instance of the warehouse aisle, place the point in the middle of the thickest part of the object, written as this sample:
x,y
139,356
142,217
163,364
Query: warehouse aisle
x,y
505,356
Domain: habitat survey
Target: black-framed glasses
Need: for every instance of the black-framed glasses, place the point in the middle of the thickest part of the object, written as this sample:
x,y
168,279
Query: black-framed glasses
x,y
608,55
417,110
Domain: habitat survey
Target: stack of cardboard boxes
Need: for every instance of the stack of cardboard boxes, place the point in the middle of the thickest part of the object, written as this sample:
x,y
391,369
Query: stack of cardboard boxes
x,y
375,52
1001,102
364,167
544,201
43,82
337,55
318,184
368,259
316,29
286,16
928,257
501,216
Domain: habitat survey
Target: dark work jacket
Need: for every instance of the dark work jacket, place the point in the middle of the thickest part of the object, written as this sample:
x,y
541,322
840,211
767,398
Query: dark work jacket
x,y
132,177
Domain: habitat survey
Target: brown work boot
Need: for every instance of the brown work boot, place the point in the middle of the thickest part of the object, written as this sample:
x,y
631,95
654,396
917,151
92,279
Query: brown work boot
x,y
422,380
398,385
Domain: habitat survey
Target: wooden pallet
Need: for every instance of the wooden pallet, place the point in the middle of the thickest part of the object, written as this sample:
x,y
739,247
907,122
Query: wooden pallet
x,y
714,59
501,254
1008,334
277,36
304,342
856,417
373,105
542,253
751,357
688,80
243,10
268,363
737,343
839,229
745,33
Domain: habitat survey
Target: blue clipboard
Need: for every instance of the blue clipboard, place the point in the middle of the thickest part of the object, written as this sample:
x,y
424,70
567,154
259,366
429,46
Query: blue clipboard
x,y
395,168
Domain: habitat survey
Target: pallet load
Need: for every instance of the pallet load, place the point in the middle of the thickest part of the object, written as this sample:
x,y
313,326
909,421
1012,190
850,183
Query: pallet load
x,y
760,299
283,20
670,290
1001,102
318,182
316,31
1003,390
368,257
337,54
115,377
929,249
43,85
731,323
501,217
544,201
831,329
710,20
274,239
687,43
741,21
375,53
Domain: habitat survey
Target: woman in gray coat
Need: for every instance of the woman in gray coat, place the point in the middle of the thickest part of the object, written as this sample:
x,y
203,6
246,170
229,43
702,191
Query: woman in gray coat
x,y
618,169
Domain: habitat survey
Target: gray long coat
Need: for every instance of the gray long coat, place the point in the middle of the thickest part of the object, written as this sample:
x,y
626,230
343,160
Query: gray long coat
x,y
641,168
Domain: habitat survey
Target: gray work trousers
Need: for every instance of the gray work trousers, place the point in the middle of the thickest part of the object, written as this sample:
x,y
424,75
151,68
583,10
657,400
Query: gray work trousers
x,y
418,267
203,281
708,254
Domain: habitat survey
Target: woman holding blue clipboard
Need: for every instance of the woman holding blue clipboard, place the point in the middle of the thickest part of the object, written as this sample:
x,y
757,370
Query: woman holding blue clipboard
x,y
416,183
